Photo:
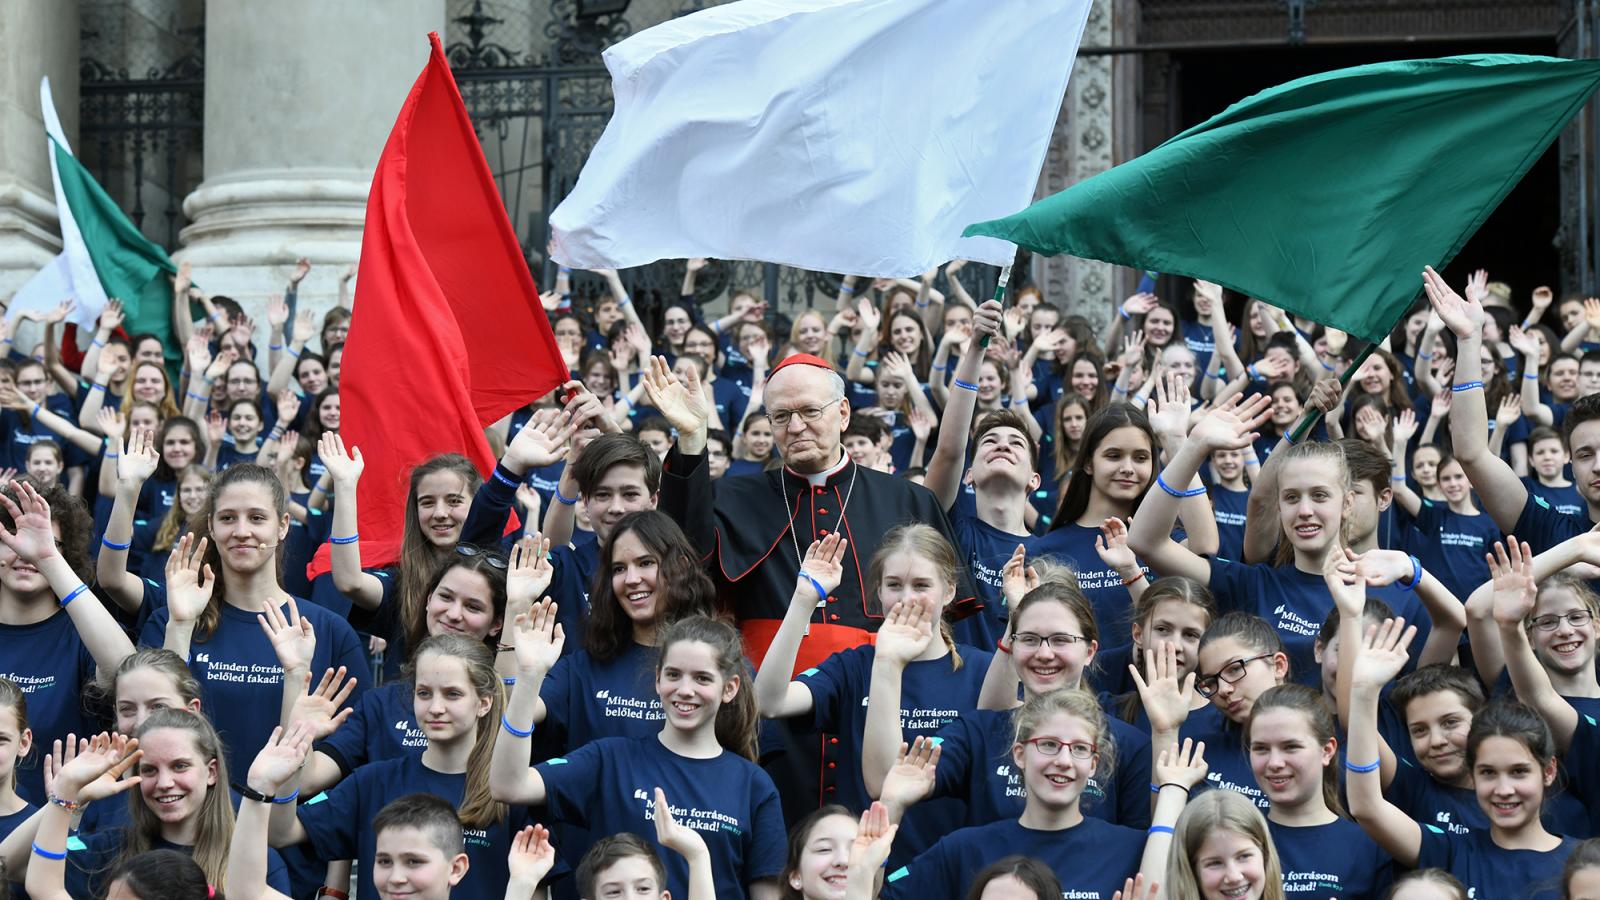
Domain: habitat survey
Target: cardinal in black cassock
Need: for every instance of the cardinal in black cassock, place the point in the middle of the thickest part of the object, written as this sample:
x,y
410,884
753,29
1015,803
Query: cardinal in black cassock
x,y
754,531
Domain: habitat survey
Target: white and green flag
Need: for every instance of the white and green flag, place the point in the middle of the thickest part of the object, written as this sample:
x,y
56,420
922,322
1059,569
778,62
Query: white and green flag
x,y
103,255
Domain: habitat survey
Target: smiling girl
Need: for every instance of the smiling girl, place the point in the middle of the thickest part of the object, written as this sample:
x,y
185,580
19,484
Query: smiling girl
x,y
702,756
914,672
216,587
1222,851
457,700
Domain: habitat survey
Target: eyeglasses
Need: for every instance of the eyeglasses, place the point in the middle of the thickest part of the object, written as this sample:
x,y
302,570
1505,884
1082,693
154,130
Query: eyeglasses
x,y
489,556
1049,746
1231,673
1551,622
781,417
1056,641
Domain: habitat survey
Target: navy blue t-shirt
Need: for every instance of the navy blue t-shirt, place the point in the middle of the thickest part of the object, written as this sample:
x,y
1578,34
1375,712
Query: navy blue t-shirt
x,y
1294,602
975,765
241,683
1229,759
338,823
1333,860
1565,500
1091,859
1229,508
571,579
1452,546
608,786
1542,527
931,696
585,699
52,666
986,550
1491,872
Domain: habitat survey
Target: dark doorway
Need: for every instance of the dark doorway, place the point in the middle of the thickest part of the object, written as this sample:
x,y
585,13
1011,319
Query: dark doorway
x,y
1516,245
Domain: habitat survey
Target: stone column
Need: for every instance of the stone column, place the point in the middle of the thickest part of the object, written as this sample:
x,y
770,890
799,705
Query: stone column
x,y
40,38
300,98
1087,141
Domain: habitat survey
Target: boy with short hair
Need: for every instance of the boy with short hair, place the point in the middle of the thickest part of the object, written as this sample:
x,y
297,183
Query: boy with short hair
x,y
864,439
420,850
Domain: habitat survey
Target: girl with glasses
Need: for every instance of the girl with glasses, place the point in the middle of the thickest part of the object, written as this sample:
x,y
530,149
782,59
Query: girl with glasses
x,y
1052,639
1241,658
1061,742
915,674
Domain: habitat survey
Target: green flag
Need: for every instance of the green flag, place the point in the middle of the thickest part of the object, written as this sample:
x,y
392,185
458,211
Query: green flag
x,y
129,265
1327,195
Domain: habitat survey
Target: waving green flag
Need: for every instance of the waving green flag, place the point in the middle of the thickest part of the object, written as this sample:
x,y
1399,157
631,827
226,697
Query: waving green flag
x,y
1327,195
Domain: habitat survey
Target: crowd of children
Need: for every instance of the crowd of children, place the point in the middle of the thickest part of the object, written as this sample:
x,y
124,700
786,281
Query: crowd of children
x,y
1344,633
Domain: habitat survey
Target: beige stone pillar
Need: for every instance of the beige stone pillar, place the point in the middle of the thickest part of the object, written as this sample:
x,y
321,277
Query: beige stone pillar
x,y
38,37
300,98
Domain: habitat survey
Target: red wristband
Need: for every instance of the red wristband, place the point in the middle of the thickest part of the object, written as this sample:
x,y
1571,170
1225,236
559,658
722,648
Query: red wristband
x,y
1000,644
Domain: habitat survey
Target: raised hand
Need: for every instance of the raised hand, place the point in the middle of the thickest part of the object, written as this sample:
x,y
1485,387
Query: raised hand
x,y
542,443
539,639
1233,424
696,264
1185,765
112,423
292,637
1511,573
279,759
1509,412
1017,578
824,562
288,405
189,579
92,769
1168,410
1133,348
1111,544
532,856
906,632
911,777
139,459
302,268
1542,298
1348,588
1166,698
672,834
1383,654
32,541
1405,426
343,469
215,427
1523,343
112,317
1370,426
304,327
1136,888
528,574
1464,318
1326,395
1440,407
1140,304
199,352
682,403
922,422
874,837
319,711
277,312
1591,313
869,315
184,278
988,320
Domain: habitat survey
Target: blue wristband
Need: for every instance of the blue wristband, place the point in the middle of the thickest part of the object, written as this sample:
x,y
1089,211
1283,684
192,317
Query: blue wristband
x,y
110,455
1124,314
1372,767
289,799
73,595
1254,373
292,352
514,730
1465,386
1416,575
274,346
345,540
35,411
822,595
193,396
497,476
97,387
47,854
846,289
860,352
1193,492
564,501
1160,829
1531,376
97,343
1397,478
937,367
964,384
109,544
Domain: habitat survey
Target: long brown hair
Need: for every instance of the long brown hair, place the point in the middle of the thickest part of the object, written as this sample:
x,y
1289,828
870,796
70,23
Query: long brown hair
x,y
1319,717
480,563
737,719
244,473
478,809
925,543
684,587
1171,589
1065,451
799,836
419,558
167,405
215,833
1075,498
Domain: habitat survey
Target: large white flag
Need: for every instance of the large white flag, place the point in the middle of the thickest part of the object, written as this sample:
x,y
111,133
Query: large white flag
x,y
852,136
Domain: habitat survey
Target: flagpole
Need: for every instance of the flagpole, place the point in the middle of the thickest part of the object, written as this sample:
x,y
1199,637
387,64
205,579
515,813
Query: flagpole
x,y
999,294
1344,381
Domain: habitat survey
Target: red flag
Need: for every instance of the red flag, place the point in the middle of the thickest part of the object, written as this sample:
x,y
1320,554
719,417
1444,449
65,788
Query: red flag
x,y
449,335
